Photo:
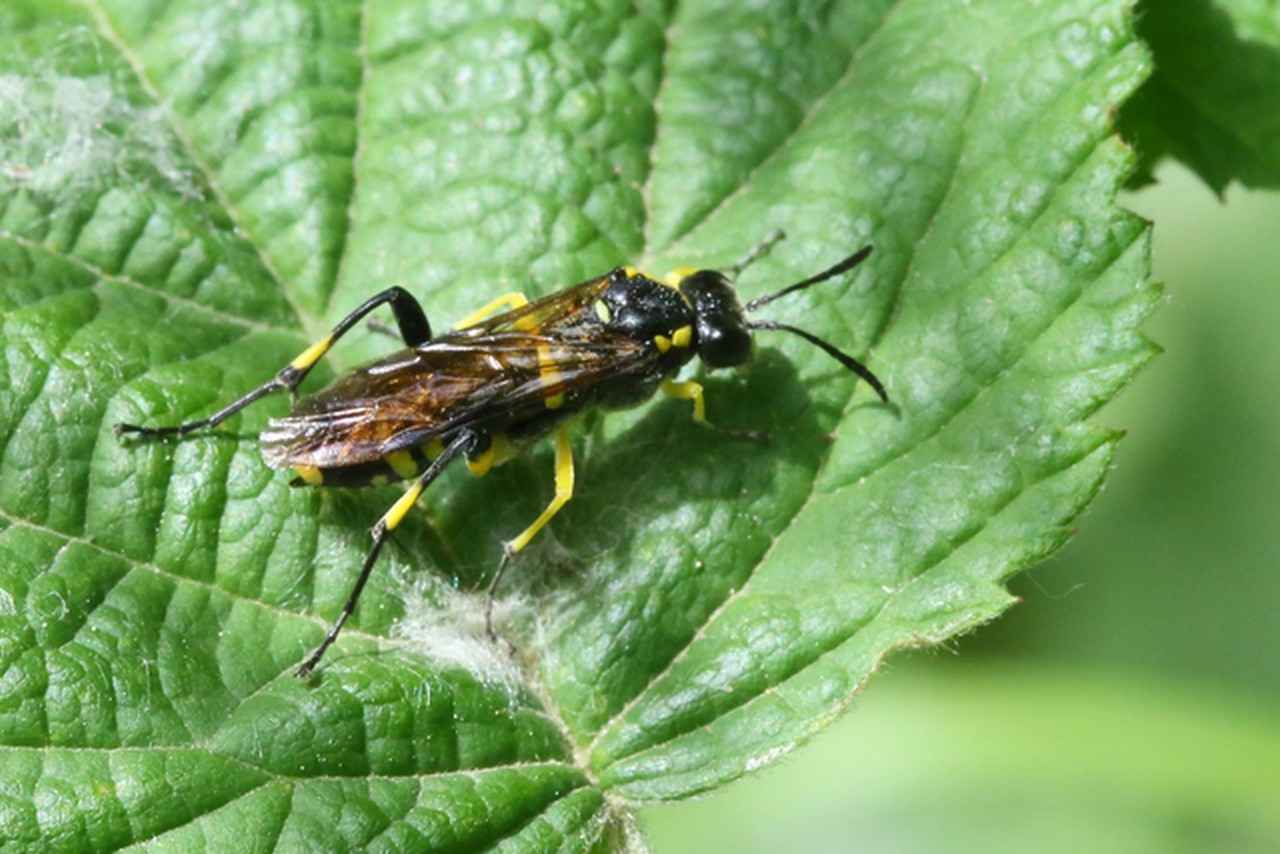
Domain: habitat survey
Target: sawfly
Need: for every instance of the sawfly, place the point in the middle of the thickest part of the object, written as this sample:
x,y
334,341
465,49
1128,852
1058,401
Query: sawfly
x,y
510,373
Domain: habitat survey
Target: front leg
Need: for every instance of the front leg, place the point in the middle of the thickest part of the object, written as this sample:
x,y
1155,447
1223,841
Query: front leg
x,y
564,491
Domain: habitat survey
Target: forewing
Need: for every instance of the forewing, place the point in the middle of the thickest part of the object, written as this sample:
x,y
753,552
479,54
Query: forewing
x,y
460,379
353,420
555,314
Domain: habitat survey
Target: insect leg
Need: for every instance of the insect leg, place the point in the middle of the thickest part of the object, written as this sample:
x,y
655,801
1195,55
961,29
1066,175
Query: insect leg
x,y
687,390
381,531
509,301
414,329
772,239
564,491
690,390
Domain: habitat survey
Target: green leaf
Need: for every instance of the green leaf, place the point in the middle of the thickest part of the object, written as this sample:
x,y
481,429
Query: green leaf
x,y
1214,100
193,191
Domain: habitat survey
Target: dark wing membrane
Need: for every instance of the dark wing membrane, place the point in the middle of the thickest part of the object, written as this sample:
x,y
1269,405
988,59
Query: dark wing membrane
x,y
568,309
349,421
461,378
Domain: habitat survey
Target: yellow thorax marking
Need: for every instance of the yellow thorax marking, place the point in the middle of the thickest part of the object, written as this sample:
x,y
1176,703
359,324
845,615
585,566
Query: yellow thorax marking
x,y
668,282
682,337
678,275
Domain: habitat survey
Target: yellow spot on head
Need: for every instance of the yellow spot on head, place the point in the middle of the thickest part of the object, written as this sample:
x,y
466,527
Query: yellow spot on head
x,y
683,336
310,475
662,342
402,463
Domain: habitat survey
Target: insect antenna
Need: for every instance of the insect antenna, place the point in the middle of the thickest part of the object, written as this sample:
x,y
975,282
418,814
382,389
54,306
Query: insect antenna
x,y
848,362
844,266
831,350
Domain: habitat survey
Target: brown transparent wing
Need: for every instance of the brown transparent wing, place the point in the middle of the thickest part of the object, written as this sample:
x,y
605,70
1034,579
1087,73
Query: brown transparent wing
x,y
557,313
459,379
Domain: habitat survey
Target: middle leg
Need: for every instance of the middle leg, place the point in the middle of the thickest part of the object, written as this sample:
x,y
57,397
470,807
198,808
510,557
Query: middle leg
x,y
564,491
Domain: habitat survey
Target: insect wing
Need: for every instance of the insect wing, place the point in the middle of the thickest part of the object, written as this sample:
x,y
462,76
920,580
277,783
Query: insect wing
x,y
352,420
470,377
571,308
536,369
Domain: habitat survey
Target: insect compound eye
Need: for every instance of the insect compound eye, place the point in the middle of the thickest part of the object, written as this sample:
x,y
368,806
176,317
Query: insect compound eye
x,y
724,337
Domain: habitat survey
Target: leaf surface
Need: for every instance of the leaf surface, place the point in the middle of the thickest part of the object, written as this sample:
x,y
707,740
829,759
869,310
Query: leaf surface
x,y
1213,101
193,191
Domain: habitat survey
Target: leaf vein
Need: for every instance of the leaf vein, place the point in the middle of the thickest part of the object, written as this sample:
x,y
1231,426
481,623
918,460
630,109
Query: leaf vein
x,y
357,156
838,84
107,30
141,565
701,632
838,640
120,278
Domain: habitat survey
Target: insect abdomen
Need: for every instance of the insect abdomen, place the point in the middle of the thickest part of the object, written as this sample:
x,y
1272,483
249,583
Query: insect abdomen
x,y
395,466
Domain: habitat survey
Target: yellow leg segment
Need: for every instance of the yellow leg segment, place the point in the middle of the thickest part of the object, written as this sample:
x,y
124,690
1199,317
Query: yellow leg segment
x,y
688,390
564,490
312,354
401,508
509,302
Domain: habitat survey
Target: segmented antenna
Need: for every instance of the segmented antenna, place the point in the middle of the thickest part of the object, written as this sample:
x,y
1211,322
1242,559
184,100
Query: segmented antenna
x,y
850,364
844,266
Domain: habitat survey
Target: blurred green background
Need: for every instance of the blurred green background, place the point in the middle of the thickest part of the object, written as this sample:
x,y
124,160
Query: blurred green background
x,y
1132,702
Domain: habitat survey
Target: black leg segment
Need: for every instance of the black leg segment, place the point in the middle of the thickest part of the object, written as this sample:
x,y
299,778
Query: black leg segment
x,y
410,318
381,531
